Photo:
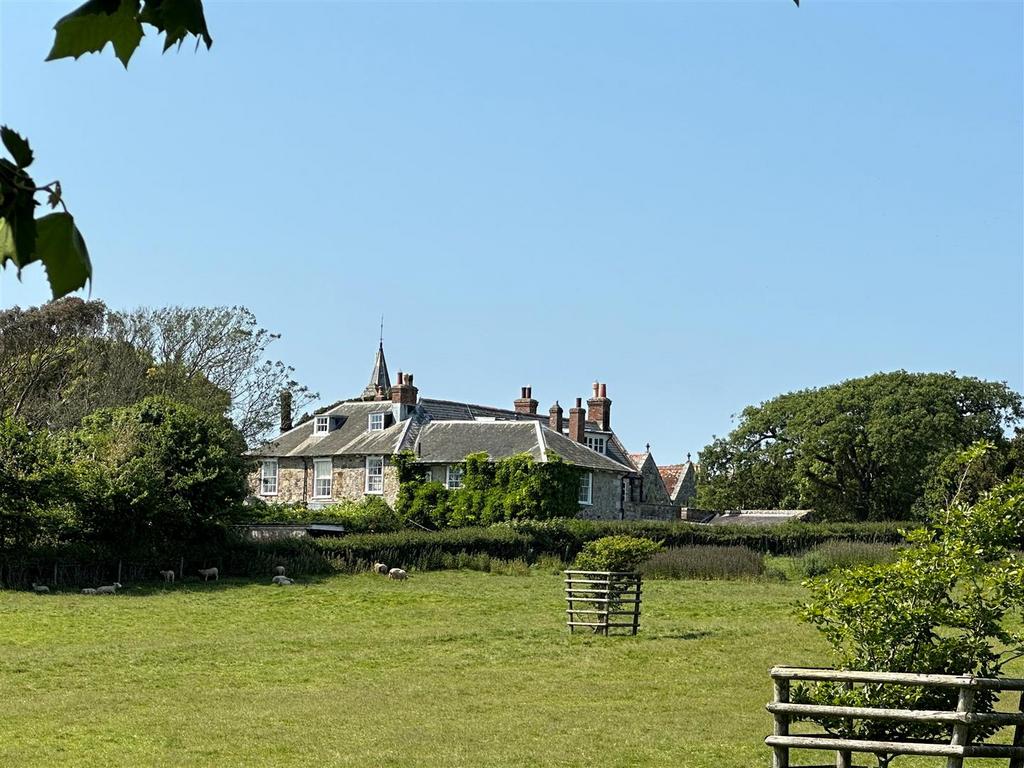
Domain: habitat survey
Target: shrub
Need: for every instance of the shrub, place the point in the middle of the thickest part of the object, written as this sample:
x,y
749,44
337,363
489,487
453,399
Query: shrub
x,y
156,472
705,562
615,553
843,554
368,515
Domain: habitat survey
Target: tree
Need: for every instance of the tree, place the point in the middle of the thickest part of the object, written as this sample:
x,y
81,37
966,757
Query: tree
x,y
862,449
156,473
943,607
36,494
223,346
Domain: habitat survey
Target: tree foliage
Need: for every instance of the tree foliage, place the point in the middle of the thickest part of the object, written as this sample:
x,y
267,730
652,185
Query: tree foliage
x,y
944,606
156,472
862,449
63,360
615,553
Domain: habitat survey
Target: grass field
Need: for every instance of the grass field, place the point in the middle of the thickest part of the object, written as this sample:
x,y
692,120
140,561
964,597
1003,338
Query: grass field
x,y
455,668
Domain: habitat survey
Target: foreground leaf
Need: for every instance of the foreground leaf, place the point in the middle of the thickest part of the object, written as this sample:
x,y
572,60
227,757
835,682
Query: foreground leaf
x,y
89,28
177,19
61,248
17,146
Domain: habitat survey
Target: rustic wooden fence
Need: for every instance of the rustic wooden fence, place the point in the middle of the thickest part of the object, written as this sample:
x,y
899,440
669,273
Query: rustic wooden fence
x,y
603,601
960,721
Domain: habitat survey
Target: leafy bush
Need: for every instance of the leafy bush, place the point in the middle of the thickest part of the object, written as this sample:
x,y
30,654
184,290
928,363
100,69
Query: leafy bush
x,y
843,554
943,606
155,473
368,515
705,562
615,553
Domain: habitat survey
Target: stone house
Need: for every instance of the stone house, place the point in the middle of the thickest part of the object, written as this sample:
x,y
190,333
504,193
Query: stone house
x,y
345,451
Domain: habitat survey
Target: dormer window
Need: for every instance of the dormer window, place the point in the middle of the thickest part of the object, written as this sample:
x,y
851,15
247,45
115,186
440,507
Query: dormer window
x,y
376,422
597,443
321,425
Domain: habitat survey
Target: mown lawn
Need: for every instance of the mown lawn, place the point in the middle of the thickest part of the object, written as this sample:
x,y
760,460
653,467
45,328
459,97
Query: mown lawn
x,y
453,668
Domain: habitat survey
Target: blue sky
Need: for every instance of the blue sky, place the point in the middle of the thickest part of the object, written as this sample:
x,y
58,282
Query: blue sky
x,y
701,204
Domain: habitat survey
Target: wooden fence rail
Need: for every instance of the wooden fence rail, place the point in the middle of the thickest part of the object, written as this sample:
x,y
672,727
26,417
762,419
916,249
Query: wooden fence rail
x,y
603,601
955,750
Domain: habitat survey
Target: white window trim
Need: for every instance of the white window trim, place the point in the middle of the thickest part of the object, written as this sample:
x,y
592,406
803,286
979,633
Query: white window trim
x,y
264,477
317,421
370,420
594,440
330,478
380,491
590,490
448,477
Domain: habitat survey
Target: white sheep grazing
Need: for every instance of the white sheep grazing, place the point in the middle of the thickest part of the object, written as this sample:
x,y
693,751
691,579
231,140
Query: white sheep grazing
x,y
279,570
397,574
206,573
168,576
282,581
109,589
88,591
380,568
40,589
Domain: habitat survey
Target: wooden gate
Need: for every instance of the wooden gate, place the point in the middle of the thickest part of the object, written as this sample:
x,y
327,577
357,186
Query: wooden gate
x,y
603,601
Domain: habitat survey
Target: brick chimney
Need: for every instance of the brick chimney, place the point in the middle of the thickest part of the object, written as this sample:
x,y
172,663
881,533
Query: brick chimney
x,y
286,410
599,407
577,423
403,392
525,403
555,418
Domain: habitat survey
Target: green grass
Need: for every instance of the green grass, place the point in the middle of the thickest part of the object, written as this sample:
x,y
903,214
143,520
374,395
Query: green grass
x,y
452,668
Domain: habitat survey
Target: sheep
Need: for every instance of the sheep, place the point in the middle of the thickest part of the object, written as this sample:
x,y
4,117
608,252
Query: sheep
x,y
109,589
88,591
279,570
206,573
40,589
380,568
168,576
282,581
397,574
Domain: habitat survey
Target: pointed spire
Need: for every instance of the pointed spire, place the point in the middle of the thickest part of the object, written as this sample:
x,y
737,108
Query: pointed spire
x,y
379,387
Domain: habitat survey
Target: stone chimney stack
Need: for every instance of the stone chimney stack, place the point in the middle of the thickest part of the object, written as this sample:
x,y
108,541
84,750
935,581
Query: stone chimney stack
x,y
525,403
286,410
577,422
555,418
599,407
403,392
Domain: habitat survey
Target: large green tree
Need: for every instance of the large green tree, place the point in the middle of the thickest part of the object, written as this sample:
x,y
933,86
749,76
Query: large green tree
x,y
156,473
862,449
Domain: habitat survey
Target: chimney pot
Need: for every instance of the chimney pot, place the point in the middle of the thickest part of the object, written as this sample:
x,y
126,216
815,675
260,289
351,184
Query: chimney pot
x,y
596,388
604,390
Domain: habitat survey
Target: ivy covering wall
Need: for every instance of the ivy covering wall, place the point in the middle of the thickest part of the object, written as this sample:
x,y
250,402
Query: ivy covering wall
x,y
514,488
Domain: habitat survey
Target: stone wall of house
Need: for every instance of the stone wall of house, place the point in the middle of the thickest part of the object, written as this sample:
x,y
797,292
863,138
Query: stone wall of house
x,y
348,481
687,488
654,487
650,511
606,497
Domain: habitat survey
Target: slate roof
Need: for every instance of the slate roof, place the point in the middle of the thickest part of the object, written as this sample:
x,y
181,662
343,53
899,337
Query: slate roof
x,y
351,436
446,442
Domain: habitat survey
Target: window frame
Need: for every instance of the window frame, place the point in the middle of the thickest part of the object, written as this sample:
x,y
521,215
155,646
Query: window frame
x,y
589,485
371,419
317,420
330,477
594,440
264,477
380,476
448,476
